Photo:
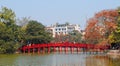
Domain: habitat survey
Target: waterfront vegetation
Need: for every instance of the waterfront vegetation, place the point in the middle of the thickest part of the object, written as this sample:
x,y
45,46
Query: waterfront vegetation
x,y
14,35
103,28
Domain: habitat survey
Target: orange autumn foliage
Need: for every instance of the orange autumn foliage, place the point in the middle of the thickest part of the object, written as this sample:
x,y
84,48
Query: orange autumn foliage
x,y
100,26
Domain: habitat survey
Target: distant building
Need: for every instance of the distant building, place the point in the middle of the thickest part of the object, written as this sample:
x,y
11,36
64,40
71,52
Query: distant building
x,y
62,29
83,34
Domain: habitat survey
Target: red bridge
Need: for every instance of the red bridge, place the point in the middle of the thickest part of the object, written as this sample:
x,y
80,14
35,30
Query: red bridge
x,y
42,48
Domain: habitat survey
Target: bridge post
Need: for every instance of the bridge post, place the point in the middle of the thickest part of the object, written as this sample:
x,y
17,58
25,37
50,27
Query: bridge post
x,y
66,49
29,50
60,49
24,51
33,50
38,50
43,50
54,49
28,47
77,50
48,49
72,50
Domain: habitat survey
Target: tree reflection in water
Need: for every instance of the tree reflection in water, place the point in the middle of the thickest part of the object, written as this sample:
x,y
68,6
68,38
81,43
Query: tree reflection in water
x,y
102,61
59,60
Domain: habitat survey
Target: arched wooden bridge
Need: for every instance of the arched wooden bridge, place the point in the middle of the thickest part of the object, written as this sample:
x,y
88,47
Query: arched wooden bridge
x,y
66,46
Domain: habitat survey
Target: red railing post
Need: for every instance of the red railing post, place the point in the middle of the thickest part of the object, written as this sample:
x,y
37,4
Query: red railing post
x,y
54,49
48,49
66,49
72,48
77,49
24,51
43,50
38,50
60,49
28,48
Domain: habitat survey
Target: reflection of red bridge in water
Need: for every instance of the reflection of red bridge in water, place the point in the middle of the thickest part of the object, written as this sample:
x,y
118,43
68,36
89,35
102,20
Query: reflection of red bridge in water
x,y
60,47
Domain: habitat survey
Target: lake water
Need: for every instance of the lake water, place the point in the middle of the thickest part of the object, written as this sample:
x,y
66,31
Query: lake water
x,y
57,59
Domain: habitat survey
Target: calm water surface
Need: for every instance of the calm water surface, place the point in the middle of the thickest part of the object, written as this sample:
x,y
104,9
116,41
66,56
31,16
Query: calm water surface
x,y
59,60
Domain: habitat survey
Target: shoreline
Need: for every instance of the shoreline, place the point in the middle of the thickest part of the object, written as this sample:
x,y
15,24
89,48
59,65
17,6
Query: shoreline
x,y
114,52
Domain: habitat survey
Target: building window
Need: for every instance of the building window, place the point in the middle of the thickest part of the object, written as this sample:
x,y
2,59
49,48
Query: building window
x,y
65,32
59,29
65,28
56,29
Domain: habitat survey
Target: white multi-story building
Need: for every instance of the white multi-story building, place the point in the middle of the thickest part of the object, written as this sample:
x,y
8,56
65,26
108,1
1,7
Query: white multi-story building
x,y
62,29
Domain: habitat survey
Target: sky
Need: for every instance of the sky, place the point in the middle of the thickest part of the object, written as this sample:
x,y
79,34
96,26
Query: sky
x,y
52,11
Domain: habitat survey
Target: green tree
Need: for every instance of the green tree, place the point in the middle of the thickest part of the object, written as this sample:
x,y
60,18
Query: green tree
x,y
75,36
23,21
115,36
7,16
8,29
35,33
100,26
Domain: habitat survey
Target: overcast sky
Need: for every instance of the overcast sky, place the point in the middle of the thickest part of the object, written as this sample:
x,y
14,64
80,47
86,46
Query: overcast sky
x,y
51,11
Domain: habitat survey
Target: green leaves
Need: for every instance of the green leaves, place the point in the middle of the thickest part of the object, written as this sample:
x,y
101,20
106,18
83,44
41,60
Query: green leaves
x,y
12,36
74,36
115,36
7,31
7,16
35,33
